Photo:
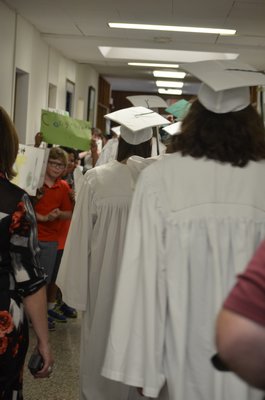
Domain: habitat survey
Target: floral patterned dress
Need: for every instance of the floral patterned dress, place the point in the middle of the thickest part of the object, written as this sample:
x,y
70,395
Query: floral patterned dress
x,y
20,276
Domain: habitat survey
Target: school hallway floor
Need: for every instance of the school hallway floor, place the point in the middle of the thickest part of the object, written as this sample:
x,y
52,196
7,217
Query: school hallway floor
x,y
64,382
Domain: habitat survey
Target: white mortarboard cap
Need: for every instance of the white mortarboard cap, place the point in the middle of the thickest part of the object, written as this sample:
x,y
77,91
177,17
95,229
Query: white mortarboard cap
x,y
224,101
173,129
225,83
116,129
147,101
136,137
137,118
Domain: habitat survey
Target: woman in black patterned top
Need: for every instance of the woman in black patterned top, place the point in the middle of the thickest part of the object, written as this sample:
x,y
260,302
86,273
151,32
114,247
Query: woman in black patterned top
x,y
22,280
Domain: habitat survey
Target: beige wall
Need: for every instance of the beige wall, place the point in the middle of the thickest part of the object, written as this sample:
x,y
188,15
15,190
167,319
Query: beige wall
x,y
7,46
22,47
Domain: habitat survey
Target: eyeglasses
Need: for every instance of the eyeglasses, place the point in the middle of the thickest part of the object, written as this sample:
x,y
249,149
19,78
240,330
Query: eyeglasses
x,y
57,165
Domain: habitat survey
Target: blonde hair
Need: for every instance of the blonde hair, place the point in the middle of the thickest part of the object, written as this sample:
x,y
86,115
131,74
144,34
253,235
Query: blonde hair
x,y
56,153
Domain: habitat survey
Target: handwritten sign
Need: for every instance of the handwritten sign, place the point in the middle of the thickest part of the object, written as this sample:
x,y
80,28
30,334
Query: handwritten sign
x,y
65,131
30,166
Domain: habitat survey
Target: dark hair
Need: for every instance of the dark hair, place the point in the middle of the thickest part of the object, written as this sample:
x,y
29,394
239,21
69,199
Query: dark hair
x,y
9,144
126,150
70,150
96,131
234,137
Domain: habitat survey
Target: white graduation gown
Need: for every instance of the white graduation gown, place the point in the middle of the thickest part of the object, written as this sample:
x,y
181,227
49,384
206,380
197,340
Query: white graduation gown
x,y
108,152
91,263
193,226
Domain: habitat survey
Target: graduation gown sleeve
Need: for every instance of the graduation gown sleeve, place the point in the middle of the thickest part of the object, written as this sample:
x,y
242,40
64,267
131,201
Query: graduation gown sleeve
x,y
74,268
135,346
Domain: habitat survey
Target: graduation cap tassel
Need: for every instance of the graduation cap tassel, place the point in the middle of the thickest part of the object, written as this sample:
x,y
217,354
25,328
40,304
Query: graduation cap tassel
x,y
261,105
157,139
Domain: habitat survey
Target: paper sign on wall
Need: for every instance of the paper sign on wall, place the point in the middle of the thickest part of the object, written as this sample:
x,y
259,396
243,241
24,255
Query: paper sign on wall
x,y
65,131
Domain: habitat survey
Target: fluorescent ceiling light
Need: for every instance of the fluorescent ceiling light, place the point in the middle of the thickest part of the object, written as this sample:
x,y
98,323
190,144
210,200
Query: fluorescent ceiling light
x,y
138,64
169,84
169,91
190,29
169,74
154,55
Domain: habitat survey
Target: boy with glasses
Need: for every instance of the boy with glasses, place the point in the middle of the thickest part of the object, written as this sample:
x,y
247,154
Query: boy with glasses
x,y
61,310
54,205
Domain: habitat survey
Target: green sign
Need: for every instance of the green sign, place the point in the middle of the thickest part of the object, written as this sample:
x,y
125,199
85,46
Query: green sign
x,y
179,109
65,131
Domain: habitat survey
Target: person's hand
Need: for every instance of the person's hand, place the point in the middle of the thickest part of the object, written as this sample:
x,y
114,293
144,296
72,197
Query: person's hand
x,y
54,214
48,362
140,391
38,139
170,118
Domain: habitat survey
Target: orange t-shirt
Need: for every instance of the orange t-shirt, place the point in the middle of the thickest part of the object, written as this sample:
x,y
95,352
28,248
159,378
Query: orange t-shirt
x,y
56,196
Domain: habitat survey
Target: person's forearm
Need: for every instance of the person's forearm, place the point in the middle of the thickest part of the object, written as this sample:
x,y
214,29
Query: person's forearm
x,y
241,345
54,214
36,309
41,218
95,157
66,214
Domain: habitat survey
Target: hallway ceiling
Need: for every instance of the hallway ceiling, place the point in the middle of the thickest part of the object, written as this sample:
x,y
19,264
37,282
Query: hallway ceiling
x,y
78,28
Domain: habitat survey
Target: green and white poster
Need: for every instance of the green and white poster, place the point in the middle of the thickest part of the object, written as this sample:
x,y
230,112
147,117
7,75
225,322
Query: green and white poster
x,y
65,131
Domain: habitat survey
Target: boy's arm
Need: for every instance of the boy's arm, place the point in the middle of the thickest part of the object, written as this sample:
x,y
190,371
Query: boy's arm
x,y
54,214
65,214
66,208
41,218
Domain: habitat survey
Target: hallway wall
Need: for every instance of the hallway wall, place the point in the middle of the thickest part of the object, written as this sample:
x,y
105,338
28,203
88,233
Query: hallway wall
x,y
23,50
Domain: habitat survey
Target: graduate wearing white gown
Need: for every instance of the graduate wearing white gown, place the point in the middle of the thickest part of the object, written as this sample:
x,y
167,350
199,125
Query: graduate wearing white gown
x,y
194,223
92,257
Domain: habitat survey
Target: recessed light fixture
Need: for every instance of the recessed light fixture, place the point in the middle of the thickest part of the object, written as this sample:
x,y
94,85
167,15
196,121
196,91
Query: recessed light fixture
x,y
155,65
169,74
145,55
189,29
169,84
169,91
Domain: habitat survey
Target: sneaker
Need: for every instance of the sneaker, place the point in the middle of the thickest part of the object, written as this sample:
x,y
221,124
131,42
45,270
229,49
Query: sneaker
x,y
68,311
51,324
56,314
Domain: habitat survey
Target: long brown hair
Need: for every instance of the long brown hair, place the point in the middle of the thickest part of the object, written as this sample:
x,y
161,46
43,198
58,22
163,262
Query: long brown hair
x,y
8,144
234,137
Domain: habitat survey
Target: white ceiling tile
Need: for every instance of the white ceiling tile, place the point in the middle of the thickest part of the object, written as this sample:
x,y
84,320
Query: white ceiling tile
x,y
77,27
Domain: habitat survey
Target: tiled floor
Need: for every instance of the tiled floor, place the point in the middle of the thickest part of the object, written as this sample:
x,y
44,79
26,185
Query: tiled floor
x,y
63,385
